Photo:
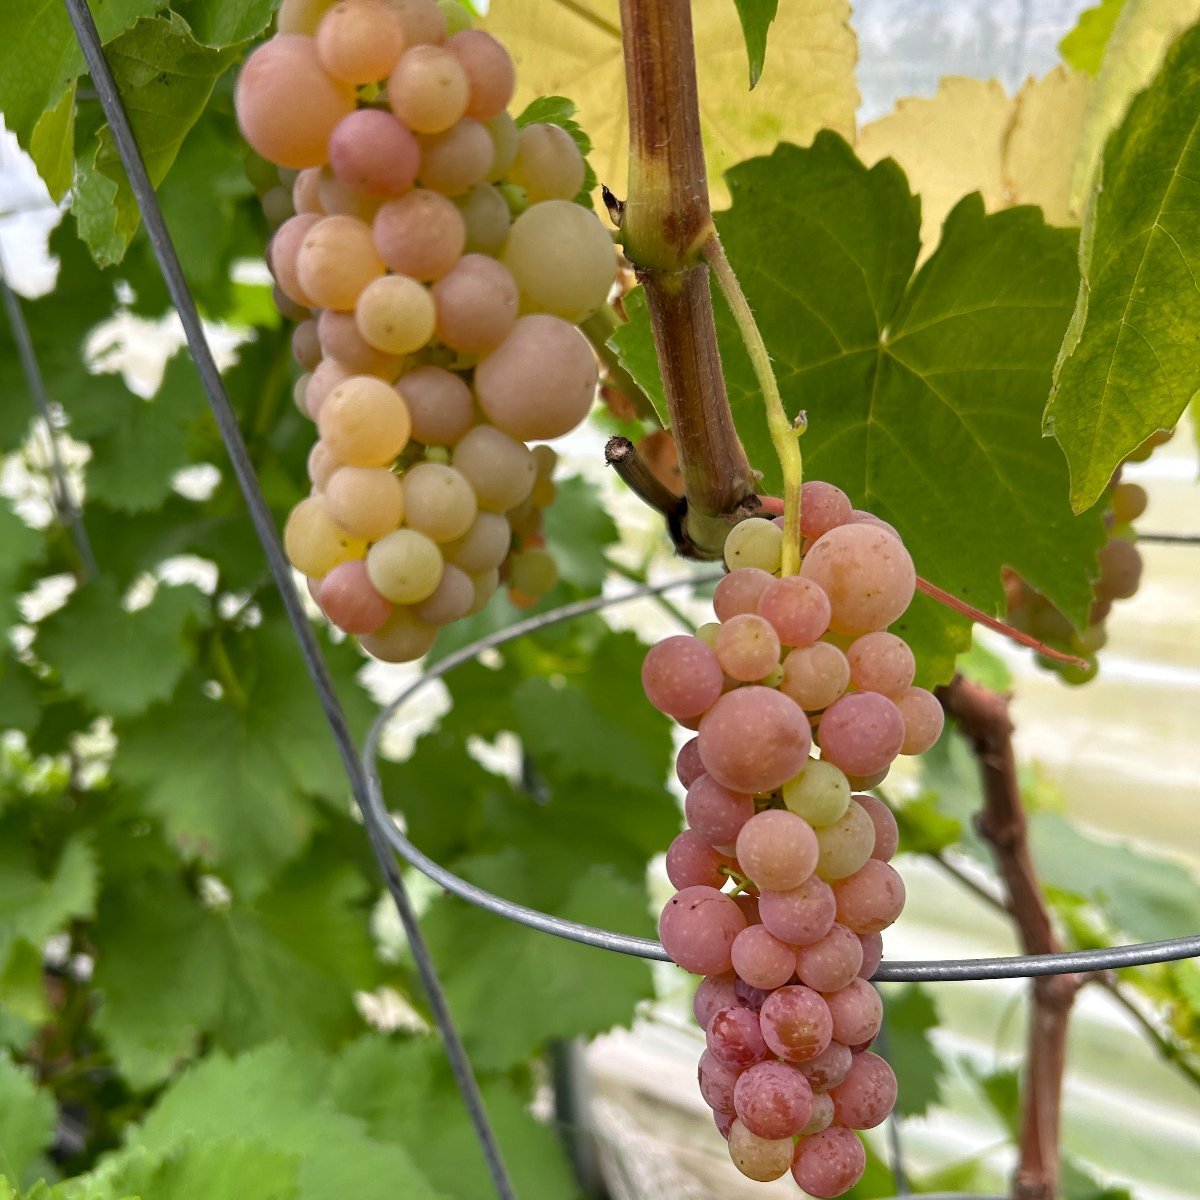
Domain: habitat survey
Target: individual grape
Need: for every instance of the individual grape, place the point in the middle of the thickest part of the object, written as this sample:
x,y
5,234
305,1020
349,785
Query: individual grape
x,y
734,1038
539,383
301,16
476,303
396,314
829,1068
856,1011
822,1114
300,395
747,995
548,164
859,517
716,1081
820,794
421,234
1129,501
753,739
288,308
306,345
428,89
829,1163
337,198
697,928
441,406
760,1159
1120,569
350,601
438,501
887,833
321,464
486,583
772,1099
373,153
777,850
713,993
755,542
861,733
455,161
923,719
707,632
367,502
421,20
336,261
277,206
358,41
483,547
815,676
401,638
822,507
314,542
486,217
830,962
691,861
452,599
283,254
716,813
306,195
881,662
739,592
797,609
761,959
562,259
287,106
405,566
505,136
800,915
796,1023
688,767
364,422
872,947
871,899
846,844
867,1094
724,1123
863,783
341,340
867,574
533,572
747,647
490,73
681,677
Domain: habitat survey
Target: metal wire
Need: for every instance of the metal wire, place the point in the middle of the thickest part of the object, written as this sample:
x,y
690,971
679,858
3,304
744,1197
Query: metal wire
x,y
264,525
934,971
64,500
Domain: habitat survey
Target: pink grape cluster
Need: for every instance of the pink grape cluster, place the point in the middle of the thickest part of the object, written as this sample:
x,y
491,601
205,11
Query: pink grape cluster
x,y
785,1004
438,265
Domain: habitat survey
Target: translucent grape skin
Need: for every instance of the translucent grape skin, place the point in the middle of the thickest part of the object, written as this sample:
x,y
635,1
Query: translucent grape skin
x,y
760,1159
547,163
713,993
697,928
401,638
777,849
450,601
453,162
796,1022
716,1082
740,591
337,261
500,469
476,303
872,948
405,566
735,1038
800,915
754,739
846,844
820,794
681,677
428,89
691,861
871,899
359,42
438,501
761,959
491,76
815,676
421,234
373,153
773,1099
747,647
822,1115
688,767
887,832
367,502
829,1163
350,601
856,1012
831,961
440,404
755,542
866,1096
881,662
483,547
867,574
829,1067
364,422
822,507
716,813
797,609
395,314
923,719
861,733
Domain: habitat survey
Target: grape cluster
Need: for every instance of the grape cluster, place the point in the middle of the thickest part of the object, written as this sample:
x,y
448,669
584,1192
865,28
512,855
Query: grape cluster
x,y
1120,566
437,263
787,1010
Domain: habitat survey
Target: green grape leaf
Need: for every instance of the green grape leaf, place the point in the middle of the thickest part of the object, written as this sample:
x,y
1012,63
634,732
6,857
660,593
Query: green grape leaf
x,y
924,828
19,707
285,965
911,1015
492,967
1080,1184
578,530
923,393
21,547
229,1169
220,23
1128,364
52,146
1002,1090
282,1094
165,77
1083,47
406,1094
27,1119
153,645
756,17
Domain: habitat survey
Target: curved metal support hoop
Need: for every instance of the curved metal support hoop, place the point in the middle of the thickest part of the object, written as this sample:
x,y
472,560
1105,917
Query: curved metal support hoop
x,y
936,971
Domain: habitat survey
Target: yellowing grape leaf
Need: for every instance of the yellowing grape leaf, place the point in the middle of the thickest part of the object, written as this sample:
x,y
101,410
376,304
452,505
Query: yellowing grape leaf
x,y
973,137
576,52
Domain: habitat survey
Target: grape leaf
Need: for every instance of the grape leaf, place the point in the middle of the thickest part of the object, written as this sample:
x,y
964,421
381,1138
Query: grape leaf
x,y
52,146
756,17
1083,47
406,1094
229,1169
923,396
1128,363
153,645
21,547
910,1016
221,23
578,530
27,1119
282,1095
19,707
575,49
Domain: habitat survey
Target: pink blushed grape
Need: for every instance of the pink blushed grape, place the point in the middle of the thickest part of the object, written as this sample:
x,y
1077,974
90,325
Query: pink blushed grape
x,y
871,899
830,962
887,832
749,996
739,592
881,662
713,993
749,906
761,959
856,1012
754,739
797,609
859,517
801,915
872,948
867,1094
697,928
829,1068
822,1115
773,1099
716,813
796,1023
681,677
747,647
923,720
691,861
829,1163
688,767
371,152
716,1083
861,733
867,574
815,676
822,508
725,1123
350,601
777,849
735,1037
